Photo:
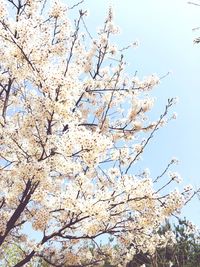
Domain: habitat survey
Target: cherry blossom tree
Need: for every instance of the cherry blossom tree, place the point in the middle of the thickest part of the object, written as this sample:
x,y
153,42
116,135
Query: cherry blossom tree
x,y
73,125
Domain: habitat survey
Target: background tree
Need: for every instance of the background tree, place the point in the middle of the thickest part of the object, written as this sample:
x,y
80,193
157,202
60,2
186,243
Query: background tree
x,y
73,125
184,251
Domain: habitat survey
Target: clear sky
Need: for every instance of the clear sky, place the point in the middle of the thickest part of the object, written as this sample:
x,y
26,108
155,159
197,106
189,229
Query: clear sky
x,y
164,29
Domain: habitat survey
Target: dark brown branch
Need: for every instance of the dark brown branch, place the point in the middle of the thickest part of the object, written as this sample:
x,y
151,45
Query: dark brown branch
x,y
25,260
74,41
28,191
5,106
170,102
77,4
163,173
192,3
2,202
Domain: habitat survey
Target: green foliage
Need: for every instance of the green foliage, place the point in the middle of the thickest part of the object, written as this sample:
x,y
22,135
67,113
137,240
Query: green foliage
x,y
10,254
187,250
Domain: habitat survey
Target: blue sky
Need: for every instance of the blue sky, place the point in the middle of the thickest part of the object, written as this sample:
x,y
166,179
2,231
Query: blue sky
x,y
164,29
